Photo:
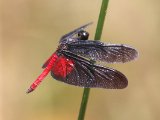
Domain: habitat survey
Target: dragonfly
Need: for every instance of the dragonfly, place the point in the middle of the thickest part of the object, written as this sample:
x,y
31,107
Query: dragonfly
x,y
73,62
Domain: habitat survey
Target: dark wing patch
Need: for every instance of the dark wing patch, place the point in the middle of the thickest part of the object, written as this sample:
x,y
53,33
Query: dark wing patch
x,y
96,50
86,74
109,78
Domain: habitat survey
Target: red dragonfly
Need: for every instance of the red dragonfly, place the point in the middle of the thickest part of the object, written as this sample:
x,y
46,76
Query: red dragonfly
x,y
72,62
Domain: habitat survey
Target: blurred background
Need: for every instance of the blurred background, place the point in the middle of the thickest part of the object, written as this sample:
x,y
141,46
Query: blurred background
x,y
30,31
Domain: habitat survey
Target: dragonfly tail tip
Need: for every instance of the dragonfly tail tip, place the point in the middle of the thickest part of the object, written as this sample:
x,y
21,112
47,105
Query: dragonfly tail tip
x,y
29,90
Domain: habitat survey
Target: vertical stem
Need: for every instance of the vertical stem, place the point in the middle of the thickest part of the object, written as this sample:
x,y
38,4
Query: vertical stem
x,y
101,19
84,103
98,33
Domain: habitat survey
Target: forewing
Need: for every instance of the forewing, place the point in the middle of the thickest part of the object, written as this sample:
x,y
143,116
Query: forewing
x,y
86,74
96,50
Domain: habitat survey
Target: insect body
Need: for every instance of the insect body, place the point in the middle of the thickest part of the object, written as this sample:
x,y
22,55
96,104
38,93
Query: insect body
x,y
71,62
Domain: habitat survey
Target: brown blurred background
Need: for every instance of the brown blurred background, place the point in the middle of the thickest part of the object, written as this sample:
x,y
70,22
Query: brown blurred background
x,y
30,31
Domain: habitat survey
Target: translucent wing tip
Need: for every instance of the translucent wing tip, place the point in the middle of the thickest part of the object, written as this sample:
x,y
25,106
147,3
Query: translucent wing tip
x,y
135,54
84,26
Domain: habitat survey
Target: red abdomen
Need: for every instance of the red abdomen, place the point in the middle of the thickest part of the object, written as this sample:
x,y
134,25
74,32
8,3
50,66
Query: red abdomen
x,y
60,67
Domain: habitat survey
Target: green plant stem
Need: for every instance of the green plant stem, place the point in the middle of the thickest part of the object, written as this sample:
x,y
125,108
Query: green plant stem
x,y
101,19
98,34
84,103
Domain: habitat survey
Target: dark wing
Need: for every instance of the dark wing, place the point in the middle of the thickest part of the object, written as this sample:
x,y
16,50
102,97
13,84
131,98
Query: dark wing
x,y
96,50
86,74
74,32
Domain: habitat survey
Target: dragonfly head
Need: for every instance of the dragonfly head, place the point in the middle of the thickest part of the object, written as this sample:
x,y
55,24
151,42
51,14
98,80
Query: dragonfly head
x,y
83,35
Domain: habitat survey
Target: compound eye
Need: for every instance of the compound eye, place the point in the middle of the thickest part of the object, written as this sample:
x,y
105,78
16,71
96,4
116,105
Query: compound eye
x,y
83,35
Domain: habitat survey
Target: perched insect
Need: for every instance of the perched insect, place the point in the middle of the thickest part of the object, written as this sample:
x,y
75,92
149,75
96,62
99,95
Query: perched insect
x,y
72,62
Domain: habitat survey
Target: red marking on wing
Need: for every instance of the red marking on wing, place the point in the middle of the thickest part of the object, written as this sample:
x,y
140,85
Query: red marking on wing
x,y
63,67
49,64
